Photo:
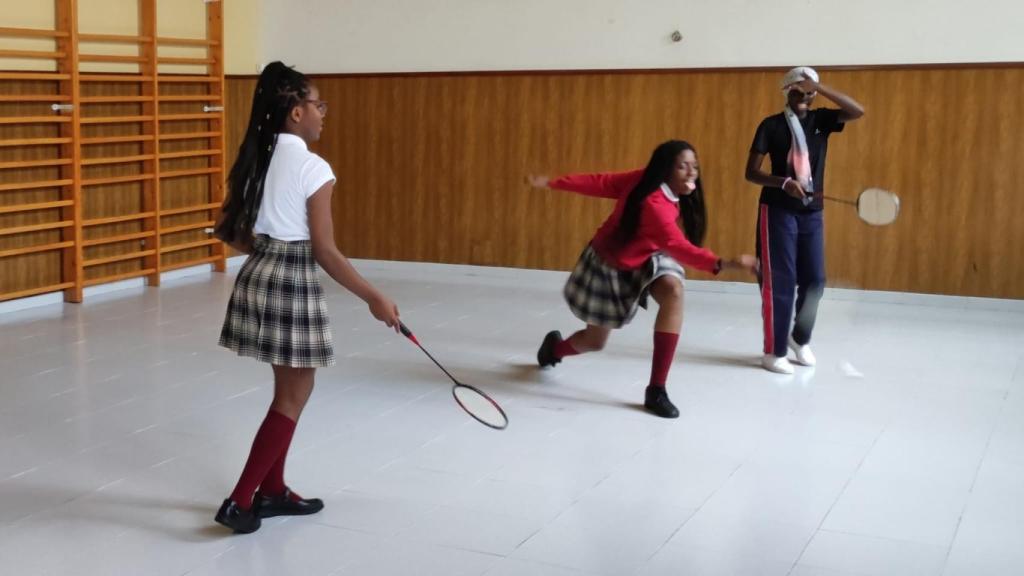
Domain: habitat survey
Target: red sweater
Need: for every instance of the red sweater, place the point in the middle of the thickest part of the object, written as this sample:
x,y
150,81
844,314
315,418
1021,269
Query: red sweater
x,y
657,232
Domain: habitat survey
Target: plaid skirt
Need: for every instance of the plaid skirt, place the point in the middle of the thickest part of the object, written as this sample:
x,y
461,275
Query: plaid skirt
x,y
603,295
277,312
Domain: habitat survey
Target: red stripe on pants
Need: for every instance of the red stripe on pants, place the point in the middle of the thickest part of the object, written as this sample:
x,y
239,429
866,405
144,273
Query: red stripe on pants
x,y
767,313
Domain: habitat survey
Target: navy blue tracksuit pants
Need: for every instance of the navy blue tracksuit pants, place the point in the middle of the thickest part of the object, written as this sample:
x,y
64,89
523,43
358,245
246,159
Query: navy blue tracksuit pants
x,y
791,246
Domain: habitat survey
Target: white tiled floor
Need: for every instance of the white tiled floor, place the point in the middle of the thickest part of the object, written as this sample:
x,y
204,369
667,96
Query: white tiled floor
x,y
122,426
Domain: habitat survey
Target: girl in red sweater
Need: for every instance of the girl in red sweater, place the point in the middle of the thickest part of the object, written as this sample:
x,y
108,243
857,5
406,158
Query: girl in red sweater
x,y
639,250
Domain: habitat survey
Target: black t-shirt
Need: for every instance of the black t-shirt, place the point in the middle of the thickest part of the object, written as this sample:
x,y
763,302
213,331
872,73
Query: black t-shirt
x,y
774,139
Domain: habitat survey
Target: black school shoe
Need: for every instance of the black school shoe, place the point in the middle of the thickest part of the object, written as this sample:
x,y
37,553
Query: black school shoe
x,y
283,505
241,521
656,401
546,353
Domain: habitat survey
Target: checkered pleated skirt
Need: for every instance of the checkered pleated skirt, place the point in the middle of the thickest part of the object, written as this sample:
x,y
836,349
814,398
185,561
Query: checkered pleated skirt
x,y
603,295
277,312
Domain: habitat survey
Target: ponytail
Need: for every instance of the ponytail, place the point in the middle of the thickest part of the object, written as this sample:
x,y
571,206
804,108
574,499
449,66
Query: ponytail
x,y
279,89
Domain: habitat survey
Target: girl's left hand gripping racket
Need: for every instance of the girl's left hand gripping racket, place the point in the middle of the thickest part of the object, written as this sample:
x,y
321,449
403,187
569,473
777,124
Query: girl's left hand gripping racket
x,y
474,401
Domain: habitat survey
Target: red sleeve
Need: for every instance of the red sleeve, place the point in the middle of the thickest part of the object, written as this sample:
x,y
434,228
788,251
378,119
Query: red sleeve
x,y
672,240
610,185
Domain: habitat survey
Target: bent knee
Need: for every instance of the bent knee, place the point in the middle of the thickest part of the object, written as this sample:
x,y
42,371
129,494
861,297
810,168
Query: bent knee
x,y
667,289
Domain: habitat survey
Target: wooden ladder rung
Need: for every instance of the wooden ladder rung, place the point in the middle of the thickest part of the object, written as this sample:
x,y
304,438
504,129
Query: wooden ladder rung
x,y
190,98
37,227
186,227
116,180
36,249
116,119
35,141
34,119
114,38
114,78
188,135
117,139
180,60
112,58
114,99
34,98
190,209
34,185
171,78
35,163
31,54
34,76
117,258
190,172
116,160
188,246
117,219
36,206
35,291
190,263
32,33
119,238
203,116
118,277
189,154
186,41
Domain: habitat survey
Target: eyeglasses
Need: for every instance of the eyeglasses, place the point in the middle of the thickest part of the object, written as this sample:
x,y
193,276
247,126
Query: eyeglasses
x,y
321,105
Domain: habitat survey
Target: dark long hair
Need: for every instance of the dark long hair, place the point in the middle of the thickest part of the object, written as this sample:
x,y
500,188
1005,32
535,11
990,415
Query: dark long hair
x,y
658,171
278,90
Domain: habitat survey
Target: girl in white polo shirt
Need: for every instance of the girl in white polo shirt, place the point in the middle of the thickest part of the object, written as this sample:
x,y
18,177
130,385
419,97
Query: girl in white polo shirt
x,y
279,212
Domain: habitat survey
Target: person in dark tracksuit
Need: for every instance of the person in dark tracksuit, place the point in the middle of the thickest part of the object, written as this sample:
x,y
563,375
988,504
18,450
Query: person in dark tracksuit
x,y
790,225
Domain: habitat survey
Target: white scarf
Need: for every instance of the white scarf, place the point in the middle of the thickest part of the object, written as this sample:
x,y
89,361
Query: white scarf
x,y
799,158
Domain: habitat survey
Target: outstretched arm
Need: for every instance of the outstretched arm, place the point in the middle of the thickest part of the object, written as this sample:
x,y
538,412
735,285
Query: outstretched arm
x,y
606,185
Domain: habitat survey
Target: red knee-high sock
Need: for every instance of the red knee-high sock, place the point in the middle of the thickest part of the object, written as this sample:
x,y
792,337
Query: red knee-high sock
x,y
664,351
273,484
564,348
269,444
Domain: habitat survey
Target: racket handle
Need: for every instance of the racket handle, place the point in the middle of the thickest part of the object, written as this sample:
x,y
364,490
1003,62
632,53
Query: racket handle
x,y
407,333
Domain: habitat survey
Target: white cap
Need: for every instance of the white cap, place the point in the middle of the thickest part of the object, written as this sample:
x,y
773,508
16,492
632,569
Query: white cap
x,y
797,74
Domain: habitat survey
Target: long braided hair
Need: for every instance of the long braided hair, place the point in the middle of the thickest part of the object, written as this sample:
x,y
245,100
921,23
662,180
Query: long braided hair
x,y
691,206
279,89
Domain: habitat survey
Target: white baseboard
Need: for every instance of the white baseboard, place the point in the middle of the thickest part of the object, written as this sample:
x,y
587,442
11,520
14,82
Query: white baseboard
x,y
744,288
427,269
52,298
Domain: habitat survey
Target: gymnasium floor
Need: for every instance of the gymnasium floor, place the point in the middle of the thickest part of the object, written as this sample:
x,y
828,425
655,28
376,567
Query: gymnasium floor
x,y
123,426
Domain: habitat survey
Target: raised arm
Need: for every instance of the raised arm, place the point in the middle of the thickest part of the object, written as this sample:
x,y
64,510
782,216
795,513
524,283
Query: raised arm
x,y
849,109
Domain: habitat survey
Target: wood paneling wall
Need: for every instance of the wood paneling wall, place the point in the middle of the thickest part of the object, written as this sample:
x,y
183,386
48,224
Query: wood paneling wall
x,y
136,168
32,270
431,167
24,272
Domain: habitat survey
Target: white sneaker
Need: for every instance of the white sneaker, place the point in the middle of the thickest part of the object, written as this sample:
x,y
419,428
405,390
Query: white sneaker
x,y
803,353
777,364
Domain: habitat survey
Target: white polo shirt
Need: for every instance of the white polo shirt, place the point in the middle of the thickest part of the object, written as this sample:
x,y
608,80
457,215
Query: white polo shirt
x,y
294,175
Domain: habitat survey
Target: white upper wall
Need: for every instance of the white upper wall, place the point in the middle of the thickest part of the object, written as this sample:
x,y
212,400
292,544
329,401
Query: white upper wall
x,y
332,36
